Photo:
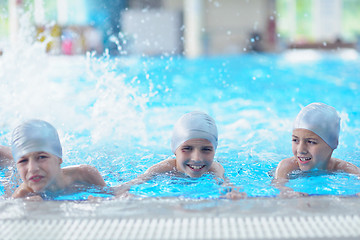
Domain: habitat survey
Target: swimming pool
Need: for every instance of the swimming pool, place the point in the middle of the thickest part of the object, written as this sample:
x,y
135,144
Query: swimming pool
x,y
117,114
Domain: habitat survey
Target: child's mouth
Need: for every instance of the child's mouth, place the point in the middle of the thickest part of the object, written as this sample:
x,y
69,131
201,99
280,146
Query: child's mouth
x,y
304,159
36,178
196,167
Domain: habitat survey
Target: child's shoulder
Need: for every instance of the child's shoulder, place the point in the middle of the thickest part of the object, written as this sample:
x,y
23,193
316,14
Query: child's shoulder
x,y
77,169
6,158
5,151
217,169
285,167
288,163
341,165
163,166
217,165
83,173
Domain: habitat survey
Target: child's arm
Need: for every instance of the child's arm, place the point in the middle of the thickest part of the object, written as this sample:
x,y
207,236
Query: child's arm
x,y
232,192
161,167
285,167
23,191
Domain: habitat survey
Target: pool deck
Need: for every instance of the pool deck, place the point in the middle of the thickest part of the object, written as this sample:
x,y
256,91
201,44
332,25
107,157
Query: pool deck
x,y
321,217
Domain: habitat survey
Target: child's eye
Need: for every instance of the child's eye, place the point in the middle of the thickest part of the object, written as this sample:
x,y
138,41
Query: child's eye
x,y
312,142
43,156
22,161
187,148
207,149
295,140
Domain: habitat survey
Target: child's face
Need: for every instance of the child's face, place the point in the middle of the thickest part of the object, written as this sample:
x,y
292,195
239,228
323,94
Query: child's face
x,y
194,157
39,170
310,150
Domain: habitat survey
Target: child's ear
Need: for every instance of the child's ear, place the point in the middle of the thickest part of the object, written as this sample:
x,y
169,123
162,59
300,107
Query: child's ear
x,y
60,160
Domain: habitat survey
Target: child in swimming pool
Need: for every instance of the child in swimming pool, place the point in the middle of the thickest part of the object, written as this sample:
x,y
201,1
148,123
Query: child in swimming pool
x,y
5,157
194,142
37,153
7,165
315,136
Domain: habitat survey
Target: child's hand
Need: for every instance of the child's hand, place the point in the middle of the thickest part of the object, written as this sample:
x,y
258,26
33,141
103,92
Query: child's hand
x,y
91,198
124,195
292,194
233,193
121,190
34,198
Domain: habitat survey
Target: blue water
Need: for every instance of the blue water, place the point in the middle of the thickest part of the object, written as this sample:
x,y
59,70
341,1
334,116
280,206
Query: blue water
x,y
117,114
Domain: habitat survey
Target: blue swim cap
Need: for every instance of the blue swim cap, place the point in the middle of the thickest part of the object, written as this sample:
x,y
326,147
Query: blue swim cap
x,y
194,125
321,119
35,136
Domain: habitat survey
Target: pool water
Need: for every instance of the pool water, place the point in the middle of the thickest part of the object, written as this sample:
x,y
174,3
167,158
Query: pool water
x,y
117,113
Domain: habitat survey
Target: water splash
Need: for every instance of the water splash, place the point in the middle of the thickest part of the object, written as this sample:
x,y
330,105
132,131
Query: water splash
x,y
117,113
82,96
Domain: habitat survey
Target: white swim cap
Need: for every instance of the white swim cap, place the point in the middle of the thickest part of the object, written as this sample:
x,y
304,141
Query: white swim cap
x,y
35,136
321,119
194,125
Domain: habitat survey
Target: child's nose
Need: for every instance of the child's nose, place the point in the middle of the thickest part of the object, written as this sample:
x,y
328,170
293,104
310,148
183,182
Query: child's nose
x,y
33,165
302,147
196,155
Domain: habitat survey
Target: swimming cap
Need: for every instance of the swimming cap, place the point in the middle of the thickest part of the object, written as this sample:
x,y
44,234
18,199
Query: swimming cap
x,y
35,136
194,125
321,119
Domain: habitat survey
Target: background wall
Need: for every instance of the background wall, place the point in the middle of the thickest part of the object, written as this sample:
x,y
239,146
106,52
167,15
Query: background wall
x,y
226,27
230,24
201,27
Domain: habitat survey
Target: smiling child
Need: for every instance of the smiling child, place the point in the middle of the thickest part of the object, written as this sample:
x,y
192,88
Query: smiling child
x,y
194,142
315,136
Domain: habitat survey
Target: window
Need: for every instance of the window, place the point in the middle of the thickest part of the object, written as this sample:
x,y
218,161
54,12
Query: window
x,y
309,20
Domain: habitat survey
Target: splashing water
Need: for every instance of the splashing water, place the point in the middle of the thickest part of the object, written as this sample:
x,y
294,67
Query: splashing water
x,y
117,113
